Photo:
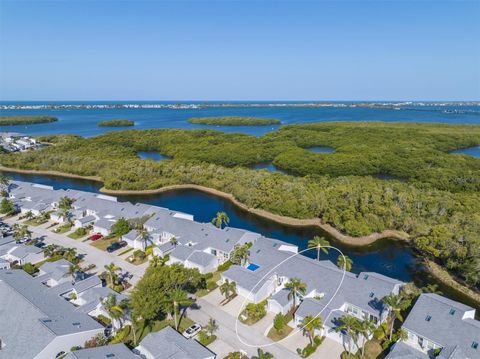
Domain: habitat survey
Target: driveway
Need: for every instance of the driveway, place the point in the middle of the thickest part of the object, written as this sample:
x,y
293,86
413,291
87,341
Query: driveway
x,y
91,254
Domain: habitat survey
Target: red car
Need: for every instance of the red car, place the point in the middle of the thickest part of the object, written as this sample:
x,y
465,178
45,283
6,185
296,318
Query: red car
x,y
95,237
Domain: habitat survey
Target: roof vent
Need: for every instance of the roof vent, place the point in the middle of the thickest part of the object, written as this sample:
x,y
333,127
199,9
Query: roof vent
x,y
428,318
365,276
76,324
475,345
110,355
371,294
452,311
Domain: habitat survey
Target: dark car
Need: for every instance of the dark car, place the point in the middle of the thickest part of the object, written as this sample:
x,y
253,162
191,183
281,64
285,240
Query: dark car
x,y
116,245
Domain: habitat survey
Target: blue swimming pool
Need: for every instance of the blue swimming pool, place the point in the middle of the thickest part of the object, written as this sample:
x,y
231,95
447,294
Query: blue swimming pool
x,y
253,267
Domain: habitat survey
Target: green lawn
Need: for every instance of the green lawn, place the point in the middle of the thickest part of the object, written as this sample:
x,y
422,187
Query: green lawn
x,y
63,229
103,243
126,251
76,236
35,222
276,336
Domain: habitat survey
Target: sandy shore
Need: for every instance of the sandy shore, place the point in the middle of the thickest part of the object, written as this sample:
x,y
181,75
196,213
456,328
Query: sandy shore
x,y
290,221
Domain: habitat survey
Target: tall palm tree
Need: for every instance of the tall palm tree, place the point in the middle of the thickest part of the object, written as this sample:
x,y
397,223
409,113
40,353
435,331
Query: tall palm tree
x,y
178,298
309,325
117,311
344,262
396,304
65,205
262,355
240,254
29,215
228,289
145,236
365,328
211,326
432,288
221,219
349,325
70,254
50,250
320,243
111,270
295,286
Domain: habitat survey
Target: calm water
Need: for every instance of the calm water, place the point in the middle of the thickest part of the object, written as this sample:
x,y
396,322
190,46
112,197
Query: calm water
x,y
321,149
269,166
389,257
156,156
84,121
472,151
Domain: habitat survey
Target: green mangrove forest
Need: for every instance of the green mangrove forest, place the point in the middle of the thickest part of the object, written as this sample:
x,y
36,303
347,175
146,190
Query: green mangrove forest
x,y
25,120
431,194
234,121
116,123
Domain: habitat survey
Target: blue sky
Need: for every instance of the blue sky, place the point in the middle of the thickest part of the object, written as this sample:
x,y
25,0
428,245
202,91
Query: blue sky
x,y
239,50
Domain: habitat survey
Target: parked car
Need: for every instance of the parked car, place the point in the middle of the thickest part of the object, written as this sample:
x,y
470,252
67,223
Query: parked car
x,y
116,245
192,331
95,237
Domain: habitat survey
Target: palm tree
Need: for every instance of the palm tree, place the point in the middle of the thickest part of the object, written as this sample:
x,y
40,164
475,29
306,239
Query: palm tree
x,y
50,250
365,328
174,241
295,287
211,326
221,219
432,288
65,205
178,298
117,311
228,289
344,262
21,231
309,325
349,325
29,215
396,304
262,355
72,269
144,235
70,254
111,270
320,243
158,261
240,254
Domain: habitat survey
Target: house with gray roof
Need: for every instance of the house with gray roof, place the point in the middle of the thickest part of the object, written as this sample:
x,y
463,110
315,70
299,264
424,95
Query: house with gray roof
x,y
331,292
115,351
55,273
436,323
40,324
21,253
168,343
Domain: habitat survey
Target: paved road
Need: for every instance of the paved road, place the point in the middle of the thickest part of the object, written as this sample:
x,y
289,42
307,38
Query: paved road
x,y
226,331
92,254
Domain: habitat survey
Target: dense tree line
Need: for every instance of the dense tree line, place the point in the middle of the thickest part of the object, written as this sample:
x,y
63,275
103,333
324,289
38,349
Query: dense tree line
x,y
115,123
25,120
438,203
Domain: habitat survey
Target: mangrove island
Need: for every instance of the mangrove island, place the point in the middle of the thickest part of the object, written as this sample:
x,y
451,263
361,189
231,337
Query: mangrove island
x,y
234,121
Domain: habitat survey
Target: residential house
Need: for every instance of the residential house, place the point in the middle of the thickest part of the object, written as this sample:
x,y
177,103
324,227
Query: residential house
x,y
115,351
55,273
21,254
38,323
438,324
168,343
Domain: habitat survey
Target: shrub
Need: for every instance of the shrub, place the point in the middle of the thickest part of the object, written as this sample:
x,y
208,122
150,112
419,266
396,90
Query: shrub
x,y
80,231
279,322
211,285
139,254
120,227
223,267
29,268
6,206
104,320
208,275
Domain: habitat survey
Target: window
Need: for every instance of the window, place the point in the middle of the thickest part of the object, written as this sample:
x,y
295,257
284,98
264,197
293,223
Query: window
x,y
452,311
214,252
428,318
365,276
475,345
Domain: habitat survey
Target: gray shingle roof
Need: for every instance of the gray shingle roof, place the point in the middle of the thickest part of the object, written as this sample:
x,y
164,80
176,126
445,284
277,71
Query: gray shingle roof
x,y
39,315
445,324
401,350
168,343
115,351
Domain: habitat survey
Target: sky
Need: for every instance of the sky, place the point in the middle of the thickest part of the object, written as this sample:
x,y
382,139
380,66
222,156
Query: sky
x,y
239,50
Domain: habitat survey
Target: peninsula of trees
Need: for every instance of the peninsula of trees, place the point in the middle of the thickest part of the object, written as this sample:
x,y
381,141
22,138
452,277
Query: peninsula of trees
x,y
233,121
436,202
116,123
25,120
